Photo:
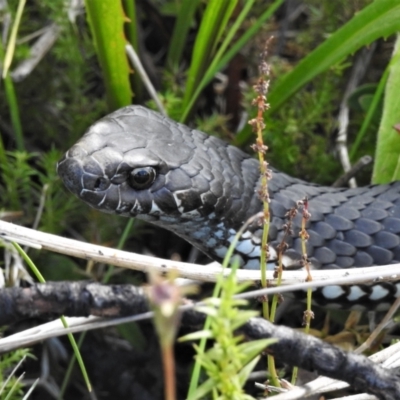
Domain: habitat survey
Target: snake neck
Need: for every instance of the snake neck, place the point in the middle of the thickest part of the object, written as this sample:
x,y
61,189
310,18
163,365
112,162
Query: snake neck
x,y
223,196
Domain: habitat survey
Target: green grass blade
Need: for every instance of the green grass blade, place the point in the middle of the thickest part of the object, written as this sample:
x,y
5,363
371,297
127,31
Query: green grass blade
x,y
131,13
231,34
379,19
30,263
106,19
181,29
226,15
211,27
8,83
133,39
223,56
387,158
31,389
71,338
13,38
77,354
70,368
16,385
12,101
370,113
247,36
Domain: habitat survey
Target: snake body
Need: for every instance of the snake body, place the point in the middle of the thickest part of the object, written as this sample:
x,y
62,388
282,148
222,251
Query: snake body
x,y
138,163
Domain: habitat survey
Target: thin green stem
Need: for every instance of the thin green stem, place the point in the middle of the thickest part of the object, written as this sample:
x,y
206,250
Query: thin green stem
x,y
120,245
13,38
195,376
71,338
106,279
68,373
12,101
223,56
180,32
370,113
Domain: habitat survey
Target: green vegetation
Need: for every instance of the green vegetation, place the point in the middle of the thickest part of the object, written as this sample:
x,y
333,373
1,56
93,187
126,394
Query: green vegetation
x,y
229,362
183,45
11,387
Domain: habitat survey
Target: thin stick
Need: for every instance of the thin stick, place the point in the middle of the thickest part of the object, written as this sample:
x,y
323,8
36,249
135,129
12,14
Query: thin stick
x,y
393,309
205,273
353,171
135,60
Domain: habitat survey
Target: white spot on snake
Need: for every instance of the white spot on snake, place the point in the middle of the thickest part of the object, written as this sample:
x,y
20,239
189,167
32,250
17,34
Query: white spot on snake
x,y
136,208
378,292
119,197
245,246
221,251
211,242
255,253
253,264
332,292
155,209
288,262
178,202
355,293
232,236
246,235
82,185
219,234
272,252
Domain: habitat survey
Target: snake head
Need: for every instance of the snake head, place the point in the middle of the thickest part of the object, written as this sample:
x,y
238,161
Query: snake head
x,y
135,162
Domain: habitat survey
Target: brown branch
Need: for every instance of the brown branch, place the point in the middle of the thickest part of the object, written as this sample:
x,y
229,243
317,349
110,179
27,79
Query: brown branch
x,y
353,171
293,348
312,354
72,299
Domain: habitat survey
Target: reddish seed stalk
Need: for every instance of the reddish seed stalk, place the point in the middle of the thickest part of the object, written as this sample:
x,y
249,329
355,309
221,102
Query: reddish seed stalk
x,y
258,125
169,372
308,314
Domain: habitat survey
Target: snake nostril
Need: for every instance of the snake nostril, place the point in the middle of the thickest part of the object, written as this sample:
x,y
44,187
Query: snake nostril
x,y
101,184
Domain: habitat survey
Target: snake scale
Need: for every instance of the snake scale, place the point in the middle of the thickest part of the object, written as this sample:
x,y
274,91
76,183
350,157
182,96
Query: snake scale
x,y
138,163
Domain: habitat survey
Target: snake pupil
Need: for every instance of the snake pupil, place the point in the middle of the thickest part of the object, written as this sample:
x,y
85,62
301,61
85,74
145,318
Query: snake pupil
x,y
142,178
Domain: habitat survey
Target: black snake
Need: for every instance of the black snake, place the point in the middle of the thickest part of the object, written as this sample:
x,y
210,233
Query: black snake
x,y
138,163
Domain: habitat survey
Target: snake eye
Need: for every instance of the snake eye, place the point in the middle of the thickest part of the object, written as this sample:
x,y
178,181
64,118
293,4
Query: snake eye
x,y
142,178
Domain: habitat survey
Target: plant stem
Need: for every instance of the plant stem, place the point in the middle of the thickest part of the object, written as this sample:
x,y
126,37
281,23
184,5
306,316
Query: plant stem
x,y
169,372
